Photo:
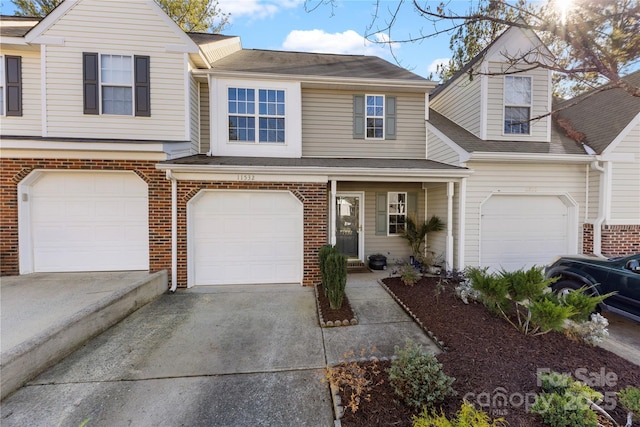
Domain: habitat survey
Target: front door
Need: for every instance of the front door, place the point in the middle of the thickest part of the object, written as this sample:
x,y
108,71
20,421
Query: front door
x,y
349,224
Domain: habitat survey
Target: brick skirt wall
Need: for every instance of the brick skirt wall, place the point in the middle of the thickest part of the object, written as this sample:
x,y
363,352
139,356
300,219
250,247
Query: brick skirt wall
x,y
617,240
312,195
13,171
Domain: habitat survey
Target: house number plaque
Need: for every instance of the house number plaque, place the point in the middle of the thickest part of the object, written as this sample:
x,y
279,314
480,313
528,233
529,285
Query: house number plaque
x,y
246,177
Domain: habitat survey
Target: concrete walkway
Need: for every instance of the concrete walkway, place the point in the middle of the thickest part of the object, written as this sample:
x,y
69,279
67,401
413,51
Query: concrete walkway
x,y
214,356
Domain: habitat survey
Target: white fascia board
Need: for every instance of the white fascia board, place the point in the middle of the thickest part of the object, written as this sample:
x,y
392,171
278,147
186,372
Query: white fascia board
x,y
463,154
530,157
347,81
13,41
10,146
47,40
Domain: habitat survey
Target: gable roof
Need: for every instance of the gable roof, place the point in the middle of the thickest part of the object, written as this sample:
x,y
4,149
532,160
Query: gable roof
x,y
559,144
313,64
602,113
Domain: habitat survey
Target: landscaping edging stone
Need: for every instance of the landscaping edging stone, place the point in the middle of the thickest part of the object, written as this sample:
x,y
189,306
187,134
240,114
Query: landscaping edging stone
x,y
441,345
330,323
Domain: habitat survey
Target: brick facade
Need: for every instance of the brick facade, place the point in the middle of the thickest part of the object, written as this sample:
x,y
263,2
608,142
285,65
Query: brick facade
x,y
617,240
313,196
12,171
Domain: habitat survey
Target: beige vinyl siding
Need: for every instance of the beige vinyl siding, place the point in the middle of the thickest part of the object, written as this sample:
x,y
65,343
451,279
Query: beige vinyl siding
x,y
440,152
217,50
194,89
30,123
521,179
395,248
540,106
437,205
94,26
594,195
327,127
205,120
625,180
460,102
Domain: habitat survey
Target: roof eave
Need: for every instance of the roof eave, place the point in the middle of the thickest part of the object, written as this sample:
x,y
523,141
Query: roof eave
x,y
487,156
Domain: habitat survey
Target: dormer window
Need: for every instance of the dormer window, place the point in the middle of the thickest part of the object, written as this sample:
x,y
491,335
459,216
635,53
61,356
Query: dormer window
x,y
517,105
269,115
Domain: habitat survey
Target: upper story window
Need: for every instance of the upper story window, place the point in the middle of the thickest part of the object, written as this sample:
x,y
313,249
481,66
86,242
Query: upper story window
x,y
269,116
397,212
517,105
116,84
10,85
374,117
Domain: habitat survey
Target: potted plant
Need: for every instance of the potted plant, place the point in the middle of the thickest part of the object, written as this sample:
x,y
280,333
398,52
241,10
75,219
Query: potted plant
x,y
416,236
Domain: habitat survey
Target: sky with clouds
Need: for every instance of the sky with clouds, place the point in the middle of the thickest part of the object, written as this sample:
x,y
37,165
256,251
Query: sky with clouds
x,y
337,26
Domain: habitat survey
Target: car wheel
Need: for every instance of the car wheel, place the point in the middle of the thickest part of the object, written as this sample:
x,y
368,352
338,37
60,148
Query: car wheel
x,y
563,287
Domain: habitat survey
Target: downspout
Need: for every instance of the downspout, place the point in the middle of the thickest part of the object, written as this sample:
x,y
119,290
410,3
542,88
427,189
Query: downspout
x,y
602,208
174,230
449,253
333,213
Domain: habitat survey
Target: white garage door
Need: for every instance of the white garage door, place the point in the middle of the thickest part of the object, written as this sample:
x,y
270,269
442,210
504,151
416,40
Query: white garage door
x,y
89,221
522,231
245,237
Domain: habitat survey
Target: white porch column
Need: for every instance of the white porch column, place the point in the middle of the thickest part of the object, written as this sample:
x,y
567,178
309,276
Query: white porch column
x,y
332,213
449,253
462,222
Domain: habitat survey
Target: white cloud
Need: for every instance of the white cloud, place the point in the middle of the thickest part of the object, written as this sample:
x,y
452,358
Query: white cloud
x,y
319,41
433,67
256,9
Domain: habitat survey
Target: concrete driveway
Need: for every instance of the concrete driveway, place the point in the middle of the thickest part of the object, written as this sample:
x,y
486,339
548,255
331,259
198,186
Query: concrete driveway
x,y
228,356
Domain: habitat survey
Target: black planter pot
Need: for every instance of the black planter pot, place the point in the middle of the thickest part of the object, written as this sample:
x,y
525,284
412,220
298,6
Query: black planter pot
x,y
377,262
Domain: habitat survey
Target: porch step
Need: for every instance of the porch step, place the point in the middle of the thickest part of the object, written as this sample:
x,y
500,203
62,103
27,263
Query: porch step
x,y
357,267
42,346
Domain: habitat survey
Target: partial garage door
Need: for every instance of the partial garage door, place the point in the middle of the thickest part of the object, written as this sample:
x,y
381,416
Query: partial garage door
x,y
522,231
245,237
89,221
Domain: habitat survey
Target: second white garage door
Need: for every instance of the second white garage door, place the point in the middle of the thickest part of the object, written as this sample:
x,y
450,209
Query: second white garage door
x,y
245,237
522,231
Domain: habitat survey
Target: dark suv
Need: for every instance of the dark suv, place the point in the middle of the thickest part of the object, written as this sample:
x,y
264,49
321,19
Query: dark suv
x,y
620,275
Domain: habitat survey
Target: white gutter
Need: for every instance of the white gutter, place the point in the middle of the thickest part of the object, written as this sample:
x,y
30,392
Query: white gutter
x,y
603,201
529,157
174,230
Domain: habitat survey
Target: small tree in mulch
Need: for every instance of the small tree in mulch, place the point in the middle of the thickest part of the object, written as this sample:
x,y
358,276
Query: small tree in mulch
x,y
333,268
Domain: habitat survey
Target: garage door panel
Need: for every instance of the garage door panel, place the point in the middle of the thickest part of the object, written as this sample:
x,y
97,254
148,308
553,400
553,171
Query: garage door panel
x,y
89,221
522,231
245,237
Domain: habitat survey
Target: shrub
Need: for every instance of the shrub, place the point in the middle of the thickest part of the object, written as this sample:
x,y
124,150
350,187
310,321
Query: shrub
x,y
565,402
353,379
526,284
336,271
494,290
417,377
629,398
466,292
547,315
467,416
409,275
323,253
582,302
592,332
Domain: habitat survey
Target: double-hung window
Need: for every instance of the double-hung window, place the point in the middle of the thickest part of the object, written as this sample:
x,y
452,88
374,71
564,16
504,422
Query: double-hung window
x,y
374,117
261,123
517,105
116,84
396,212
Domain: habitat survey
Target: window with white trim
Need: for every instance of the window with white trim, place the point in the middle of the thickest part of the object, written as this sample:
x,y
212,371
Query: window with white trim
x,y
374,116
243,115
116,83
517,105
396,212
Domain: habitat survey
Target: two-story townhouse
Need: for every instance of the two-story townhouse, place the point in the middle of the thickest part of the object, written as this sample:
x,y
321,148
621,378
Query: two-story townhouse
x,y
290,151
535,192
94,95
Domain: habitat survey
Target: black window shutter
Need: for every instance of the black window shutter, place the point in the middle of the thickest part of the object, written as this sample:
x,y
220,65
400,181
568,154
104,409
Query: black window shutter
x,y
390,126
90,83
13,67
142,86
358,116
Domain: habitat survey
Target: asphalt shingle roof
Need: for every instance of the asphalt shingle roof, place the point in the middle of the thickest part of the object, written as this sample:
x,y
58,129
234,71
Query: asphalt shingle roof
x,y
601,114
16,26
313,64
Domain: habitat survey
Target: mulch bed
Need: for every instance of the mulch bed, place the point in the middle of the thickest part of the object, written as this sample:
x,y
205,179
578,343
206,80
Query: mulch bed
x,y
488,358
342,316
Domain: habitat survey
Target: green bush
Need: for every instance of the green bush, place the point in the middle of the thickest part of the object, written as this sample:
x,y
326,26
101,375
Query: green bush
x,y
467,416
565,402
547,315
629,398
323,253
583,303
494,290
409,275
526,284
417,377
335,266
